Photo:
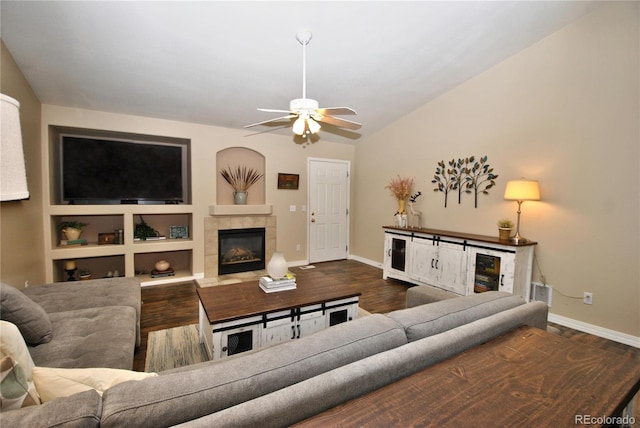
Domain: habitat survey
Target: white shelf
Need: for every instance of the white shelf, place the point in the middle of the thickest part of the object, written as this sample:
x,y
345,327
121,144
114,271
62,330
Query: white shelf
x,y
107,218
240,209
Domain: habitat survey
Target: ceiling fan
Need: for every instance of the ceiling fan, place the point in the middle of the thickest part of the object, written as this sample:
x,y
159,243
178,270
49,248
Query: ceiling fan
x,y
305,110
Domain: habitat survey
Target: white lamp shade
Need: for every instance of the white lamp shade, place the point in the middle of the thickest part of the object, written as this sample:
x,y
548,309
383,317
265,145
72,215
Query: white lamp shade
x,y
522,190
13,176
314,126
299,126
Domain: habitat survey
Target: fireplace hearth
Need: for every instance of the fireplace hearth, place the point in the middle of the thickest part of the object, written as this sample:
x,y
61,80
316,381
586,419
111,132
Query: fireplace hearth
x,y
241,250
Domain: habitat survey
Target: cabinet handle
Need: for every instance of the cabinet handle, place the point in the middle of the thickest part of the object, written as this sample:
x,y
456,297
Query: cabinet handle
x,y
389,252
437,263
432,260
502,280
298,332
293,332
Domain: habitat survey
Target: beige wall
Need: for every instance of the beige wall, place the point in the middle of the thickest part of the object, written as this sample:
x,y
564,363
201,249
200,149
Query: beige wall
x,y
21,230
565,112
280,152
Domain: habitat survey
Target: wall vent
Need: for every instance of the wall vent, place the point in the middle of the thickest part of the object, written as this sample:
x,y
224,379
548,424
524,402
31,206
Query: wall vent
x,y
541,293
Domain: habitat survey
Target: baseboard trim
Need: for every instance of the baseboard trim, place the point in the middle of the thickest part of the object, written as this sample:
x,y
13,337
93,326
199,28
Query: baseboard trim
x,y
365,261
605,333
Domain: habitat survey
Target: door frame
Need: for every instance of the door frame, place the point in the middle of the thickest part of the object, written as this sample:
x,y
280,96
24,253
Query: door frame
x,y
347,204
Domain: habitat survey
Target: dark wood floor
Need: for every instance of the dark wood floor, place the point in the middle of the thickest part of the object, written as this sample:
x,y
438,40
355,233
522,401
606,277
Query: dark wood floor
x,y
173,305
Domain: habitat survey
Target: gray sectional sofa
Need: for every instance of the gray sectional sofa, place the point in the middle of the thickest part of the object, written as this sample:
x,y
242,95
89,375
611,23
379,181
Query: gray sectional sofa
x,y
77,324
286,383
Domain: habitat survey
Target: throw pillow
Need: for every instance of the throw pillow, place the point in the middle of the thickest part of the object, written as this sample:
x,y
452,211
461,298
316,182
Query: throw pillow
x,y
15,390
32,321
56,382
12,344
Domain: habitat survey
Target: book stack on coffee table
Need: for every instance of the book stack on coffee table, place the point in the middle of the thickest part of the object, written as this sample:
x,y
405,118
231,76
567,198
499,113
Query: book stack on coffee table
x,y
272,285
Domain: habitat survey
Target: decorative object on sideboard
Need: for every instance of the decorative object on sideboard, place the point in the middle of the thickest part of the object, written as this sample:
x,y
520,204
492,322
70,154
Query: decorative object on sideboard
x,y
520,191
13,176
400,188
504,228
277,266
466,176
241,179
71,229
414,219
288,181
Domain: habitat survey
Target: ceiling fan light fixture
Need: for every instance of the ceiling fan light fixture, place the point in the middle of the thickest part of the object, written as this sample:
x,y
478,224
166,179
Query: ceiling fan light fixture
x,y
314,126
299,126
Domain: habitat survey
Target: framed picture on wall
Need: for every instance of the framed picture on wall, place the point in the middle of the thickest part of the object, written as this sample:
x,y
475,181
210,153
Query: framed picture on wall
x,y
288,181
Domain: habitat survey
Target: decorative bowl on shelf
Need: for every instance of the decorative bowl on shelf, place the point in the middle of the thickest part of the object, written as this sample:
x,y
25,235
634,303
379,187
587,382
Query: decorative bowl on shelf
x,y
162,265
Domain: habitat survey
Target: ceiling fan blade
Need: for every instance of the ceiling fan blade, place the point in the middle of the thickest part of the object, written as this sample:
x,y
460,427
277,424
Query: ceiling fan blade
x,y
336,110
272,110
342,123
290,116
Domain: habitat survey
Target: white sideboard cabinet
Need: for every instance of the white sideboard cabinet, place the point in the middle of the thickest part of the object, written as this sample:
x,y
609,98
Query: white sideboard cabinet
x,y
458,262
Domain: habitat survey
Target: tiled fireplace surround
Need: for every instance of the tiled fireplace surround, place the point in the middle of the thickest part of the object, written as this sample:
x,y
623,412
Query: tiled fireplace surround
x,y
214,223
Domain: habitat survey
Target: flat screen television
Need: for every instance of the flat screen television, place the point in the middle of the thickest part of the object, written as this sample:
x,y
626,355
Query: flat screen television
x,y
112,171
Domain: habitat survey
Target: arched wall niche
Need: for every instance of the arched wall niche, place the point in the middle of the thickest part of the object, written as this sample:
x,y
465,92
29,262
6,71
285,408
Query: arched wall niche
x,y
234,157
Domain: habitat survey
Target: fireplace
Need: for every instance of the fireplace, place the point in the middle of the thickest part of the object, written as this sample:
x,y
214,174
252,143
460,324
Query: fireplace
x,y
241,250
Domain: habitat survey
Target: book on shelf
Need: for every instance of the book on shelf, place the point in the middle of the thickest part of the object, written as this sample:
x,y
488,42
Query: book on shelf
x,y
150,238
72,242
276,289
162,273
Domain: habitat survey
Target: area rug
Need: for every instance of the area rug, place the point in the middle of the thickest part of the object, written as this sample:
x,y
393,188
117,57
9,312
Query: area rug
x,y
180,346
174,347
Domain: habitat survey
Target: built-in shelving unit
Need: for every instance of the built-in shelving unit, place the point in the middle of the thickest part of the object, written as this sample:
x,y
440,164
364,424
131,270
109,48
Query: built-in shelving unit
x,y
131,258
109,257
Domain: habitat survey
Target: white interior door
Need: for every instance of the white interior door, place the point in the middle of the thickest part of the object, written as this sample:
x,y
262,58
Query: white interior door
x,y
328,209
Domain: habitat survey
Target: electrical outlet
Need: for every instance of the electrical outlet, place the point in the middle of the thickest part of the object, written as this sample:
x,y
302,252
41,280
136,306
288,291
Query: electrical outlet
x,y
541,293
26,283
588,298
297,247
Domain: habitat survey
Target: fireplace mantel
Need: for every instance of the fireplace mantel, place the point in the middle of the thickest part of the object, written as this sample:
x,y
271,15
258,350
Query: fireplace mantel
x,y
240,209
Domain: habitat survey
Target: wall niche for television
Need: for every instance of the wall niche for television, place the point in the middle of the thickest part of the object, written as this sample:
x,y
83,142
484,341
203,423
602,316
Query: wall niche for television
x,y
96,167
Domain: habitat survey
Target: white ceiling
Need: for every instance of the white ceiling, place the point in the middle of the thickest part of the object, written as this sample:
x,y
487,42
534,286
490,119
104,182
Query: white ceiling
x,y
215,62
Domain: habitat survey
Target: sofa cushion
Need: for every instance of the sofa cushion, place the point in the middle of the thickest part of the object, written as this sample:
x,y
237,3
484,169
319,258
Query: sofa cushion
x,y
72,295
54,383
27,315
78,411
191,392
95,337
433,318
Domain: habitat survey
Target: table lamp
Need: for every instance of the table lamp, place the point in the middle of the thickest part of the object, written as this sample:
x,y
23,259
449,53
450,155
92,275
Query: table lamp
x,y
520,191
13,176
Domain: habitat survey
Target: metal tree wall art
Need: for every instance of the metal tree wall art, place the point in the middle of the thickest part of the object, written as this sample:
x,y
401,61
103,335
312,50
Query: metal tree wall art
x,y
445,179
464,175
480,179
